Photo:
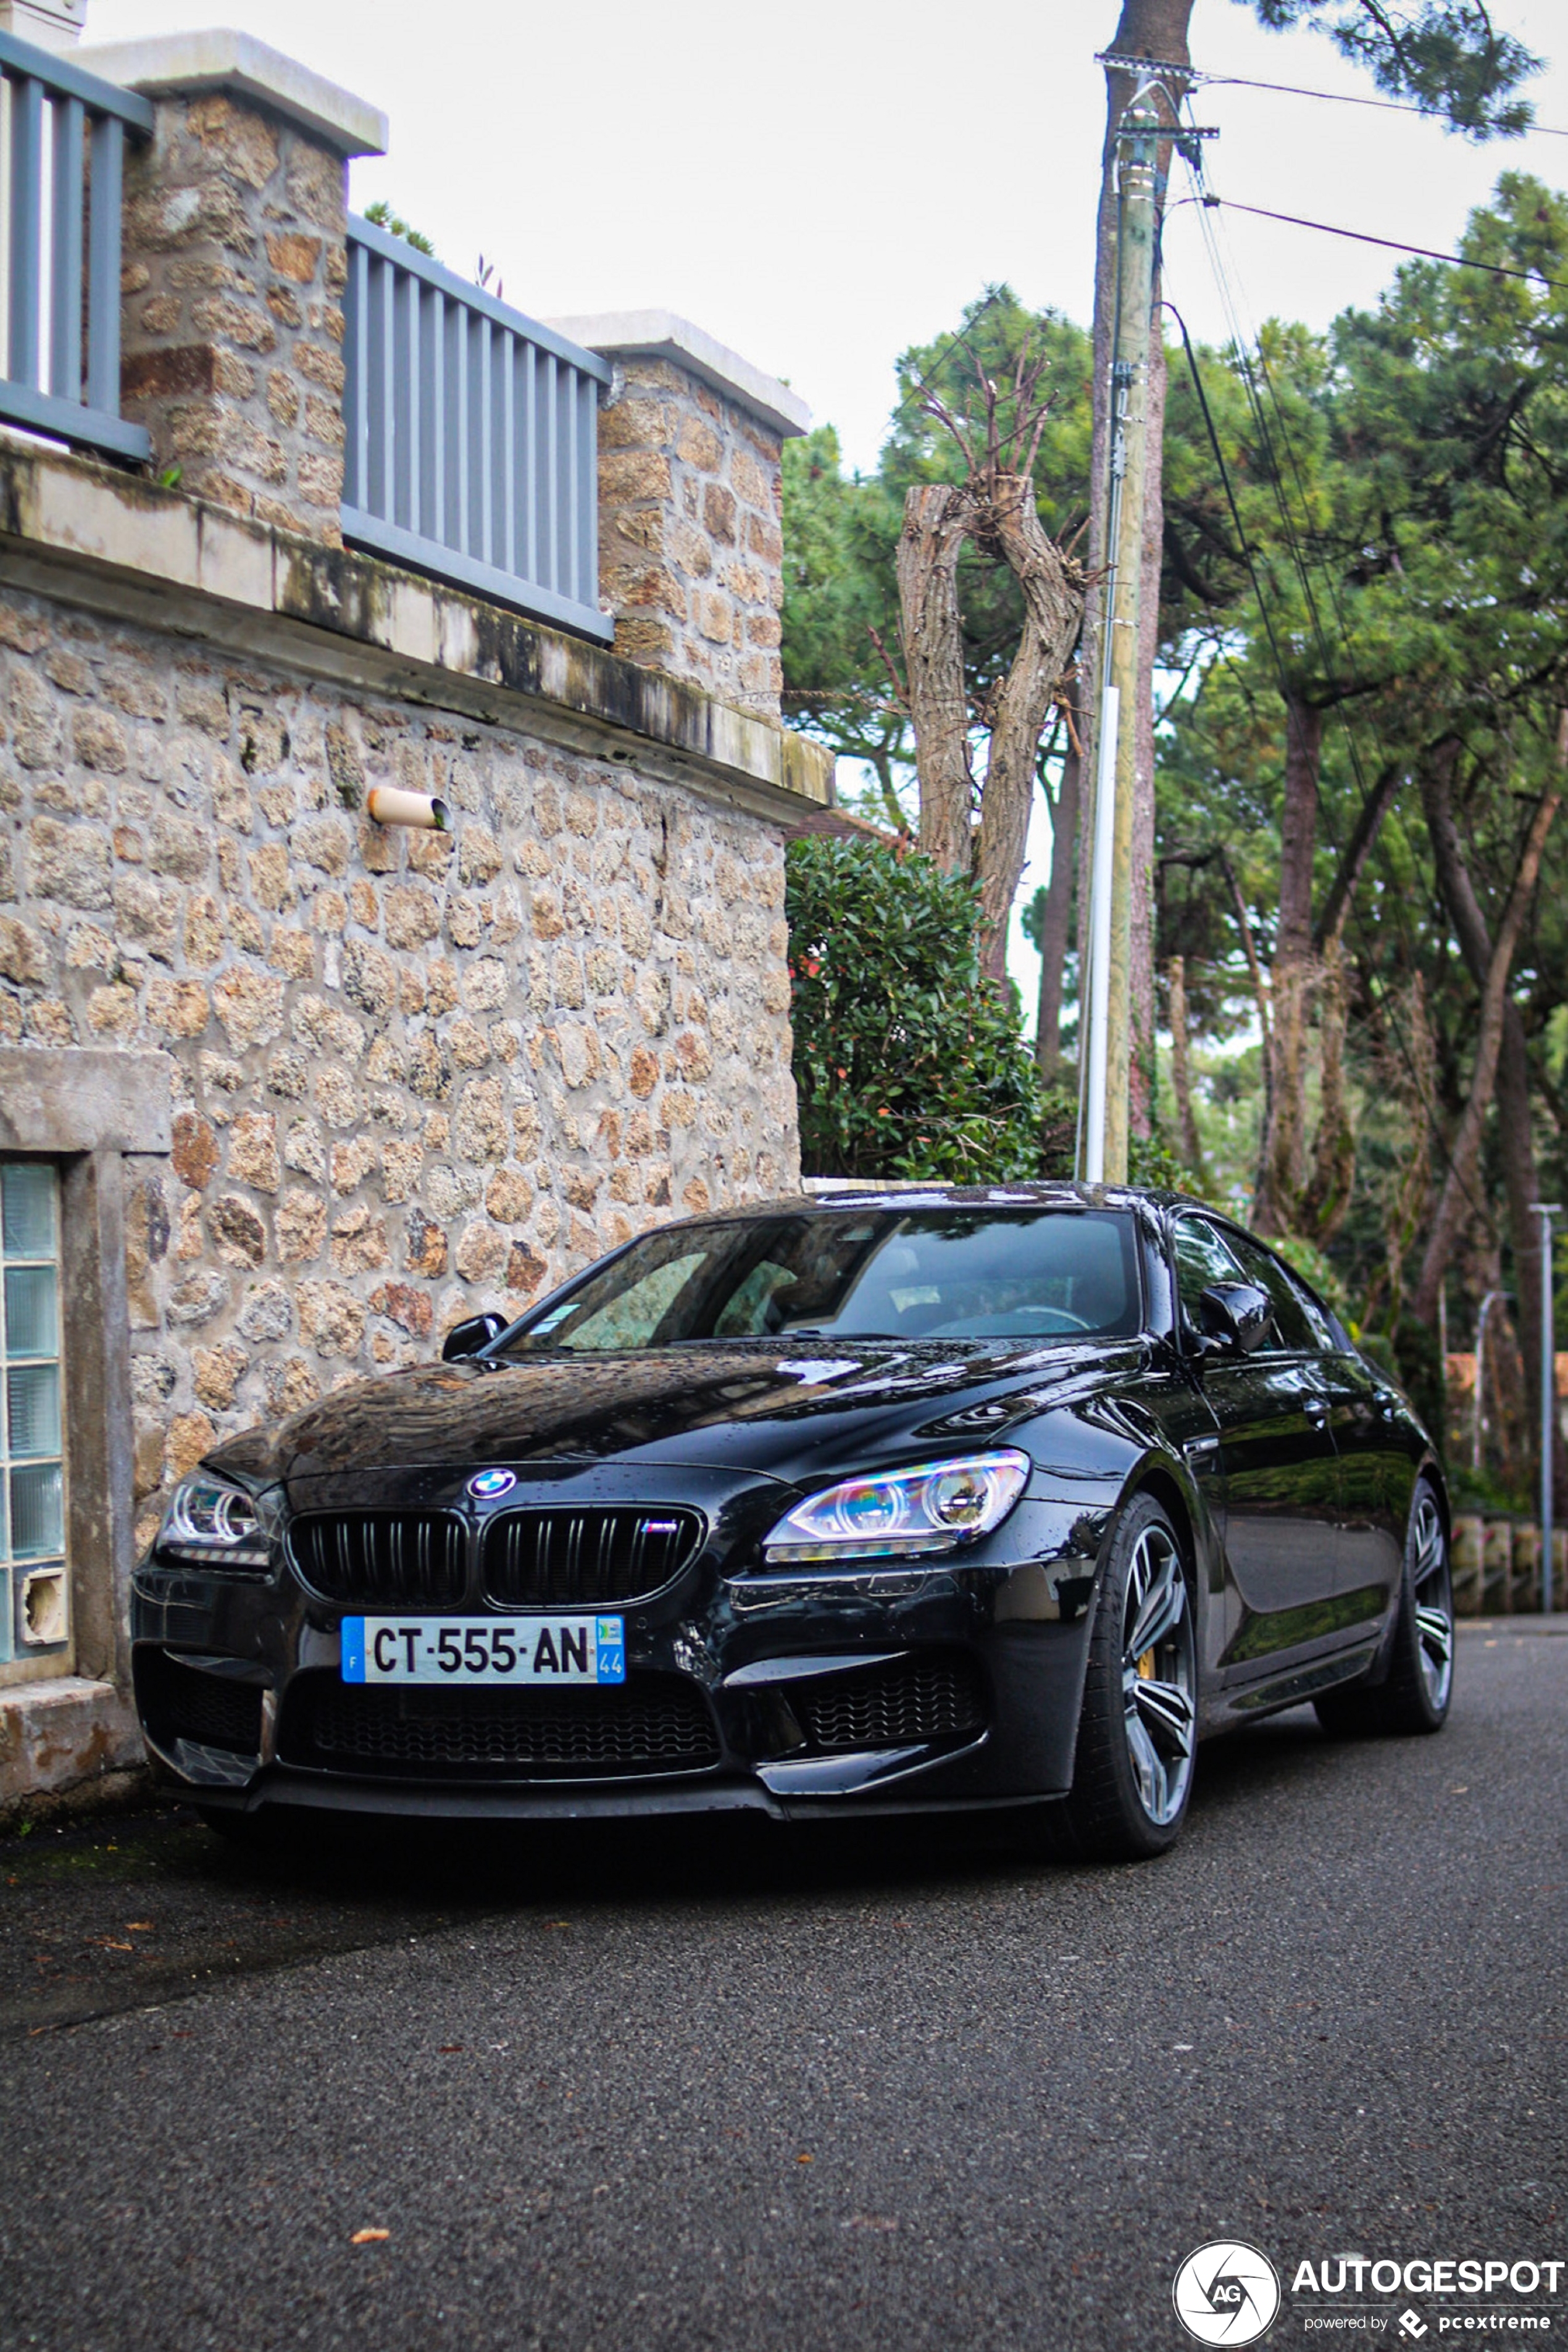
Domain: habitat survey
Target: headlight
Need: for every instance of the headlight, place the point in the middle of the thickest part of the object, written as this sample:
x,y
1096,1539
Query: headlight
x,y
213,1524
935,1507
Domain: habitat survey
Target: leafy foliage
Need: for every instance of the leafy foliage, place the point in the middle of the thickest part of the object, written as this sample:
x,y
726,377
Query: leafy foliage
x,y
1385,543
907,1061
1445,55
382,217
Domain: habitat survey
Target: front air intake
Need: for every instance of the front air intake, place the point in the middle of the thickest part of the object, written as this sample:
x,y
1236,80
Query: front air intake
x,y
180,1701
892,1706
654,1723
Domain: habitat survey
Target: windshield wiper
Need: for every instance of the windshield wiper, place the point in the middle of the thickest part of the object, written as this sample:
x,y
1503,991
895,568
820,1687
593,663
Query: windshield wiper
x,y
812,1331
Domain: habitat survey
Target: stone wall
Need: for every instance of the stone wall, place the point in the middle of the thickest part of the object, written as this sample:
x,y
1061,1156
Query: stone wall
x,y
415,1074
233,265
691,555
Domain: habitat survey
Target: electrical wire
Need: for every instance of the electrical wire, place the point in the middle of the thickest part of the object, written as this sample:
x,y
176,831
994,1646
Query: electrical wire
x,y
1350,98
1393,244
1243,343
1275,473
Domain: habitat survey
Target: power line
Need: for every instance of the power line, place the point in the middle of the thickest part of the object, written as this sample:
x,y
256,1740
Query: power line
x,y
1393,244
1349,97
1195,76
1273,473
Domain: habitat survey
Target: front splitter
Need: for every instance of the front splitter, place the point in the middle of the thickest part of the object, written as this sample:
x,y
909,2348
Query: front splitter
x,y
282,1790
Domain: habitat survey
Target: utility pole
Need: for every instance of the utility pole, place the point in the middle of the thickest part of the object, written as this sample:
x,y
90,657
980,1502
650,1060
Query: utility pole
x,y
1546,1211
1103,1118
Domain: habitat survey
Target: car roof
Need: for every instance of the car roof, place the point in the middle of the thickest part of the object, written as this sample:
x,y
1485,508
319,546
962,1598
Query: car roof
x,y
826,1193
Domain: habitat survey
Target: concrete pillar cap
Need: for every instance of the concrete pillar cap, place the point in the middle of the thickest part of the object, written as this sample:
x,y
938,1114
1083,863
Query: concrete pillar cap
x,y
662,334
174,63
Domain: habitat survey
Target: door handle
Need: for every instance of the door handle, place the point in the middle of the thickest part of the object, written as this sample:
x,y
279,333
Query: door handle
x,y
1317,1410
1386,1403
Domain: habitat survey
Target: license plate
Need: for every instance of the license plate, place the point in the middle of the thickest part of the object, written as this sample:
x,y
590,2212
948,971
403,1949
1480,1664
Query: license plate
x,y
530,1650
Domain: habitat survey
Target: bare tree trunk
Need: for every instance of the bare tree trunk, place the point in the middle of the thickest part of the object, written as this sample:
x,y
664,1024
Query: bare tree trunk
x,y
1284,1144
1053,609
1454,1202
1515,1138
1054,930
1357,850
938,519
1411,1077
1327,1198
1254,969
1181,1071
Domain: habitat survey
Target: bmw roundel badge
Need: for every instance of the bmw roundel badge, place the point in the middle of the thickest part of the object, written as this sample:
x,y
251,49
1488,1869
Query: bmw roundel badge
x,y
488,1484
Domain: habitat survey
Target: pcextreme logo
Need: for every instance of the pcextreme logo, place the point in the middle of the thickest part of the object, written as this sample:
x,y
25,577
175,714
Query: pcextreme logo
x,y
1227,2292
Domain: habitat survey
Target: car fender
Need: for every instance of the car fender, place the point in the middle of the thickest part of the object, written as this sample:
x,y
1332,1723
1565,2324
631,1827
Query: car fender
x,y
1427,1467
1093,1455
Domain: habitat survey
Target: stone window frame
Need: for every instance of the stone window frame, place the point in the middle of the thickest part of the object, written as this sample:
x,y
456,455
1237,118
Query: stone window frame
x,y
86,1112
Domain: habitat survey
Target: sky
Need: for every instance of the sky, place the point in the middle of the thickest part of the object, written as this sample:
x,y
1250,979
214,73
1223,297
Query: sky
x,y
821,186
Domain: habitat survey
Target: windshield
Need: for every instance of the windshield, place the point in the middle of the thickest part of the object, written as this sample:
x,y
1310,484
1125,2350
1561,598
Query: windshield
x,y
931,1274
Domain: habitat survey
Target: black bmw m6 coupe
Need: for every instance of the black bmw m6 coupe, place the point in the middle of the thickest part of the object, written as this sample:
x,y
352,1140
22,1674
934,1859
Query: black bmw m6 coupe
x,y
888,1500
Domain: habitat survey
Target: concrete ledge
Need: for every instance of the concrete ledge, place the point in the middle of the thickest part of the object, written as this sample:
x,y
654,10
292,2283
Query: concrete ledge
x,y
662,334
59,1736
74,1098
79,530
172,63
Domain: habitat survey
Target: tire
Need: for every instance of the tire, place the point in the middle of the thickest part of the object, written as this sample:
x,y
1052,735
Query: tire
x,y
1132,1769
1418,1689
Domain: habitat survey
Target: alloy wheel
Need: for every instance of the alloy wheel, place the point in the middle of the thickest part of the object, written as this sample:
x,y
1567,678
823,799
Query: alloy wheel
x,y
1432,1590
1157,1675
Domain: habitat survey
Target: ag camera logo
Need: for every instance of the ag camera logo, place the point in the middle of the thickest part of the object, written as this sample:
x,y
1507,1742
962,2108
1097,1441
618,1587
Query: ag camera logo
x,y
1226,2293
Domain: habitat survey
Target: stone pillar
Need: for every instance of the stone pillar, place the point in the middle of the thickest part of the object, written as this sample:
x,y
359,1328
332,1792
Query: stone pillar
x,y
690,551
51,23
233,265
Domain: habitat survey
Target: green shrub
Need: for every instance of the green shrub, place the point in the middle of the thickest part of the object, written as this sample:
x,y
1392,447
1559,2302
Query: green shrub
x,y
908,1061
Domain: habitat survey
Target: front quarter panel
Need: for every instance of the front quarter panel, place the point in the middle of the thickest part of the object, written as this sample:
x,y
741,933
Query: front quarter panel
x,y
1154,1431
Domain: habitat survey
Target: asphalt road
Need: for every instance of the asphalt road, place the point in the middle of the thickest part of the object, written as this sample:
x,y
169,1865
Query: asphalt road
x,y
823,2094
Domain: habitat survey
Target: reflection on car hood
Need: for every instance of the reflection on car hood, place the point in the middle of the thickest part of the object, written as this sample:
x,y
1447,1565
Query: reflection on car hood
x,y
785,1412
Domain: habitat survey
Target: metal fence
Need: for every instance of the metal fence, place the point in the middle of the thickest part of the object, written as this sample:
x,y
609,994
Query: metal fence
x,y
472,436
62,134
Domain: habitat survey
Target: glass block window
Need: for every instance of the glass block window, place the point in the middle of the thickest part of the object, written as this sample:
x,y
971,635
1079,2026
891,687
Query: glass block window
x,y
33,1619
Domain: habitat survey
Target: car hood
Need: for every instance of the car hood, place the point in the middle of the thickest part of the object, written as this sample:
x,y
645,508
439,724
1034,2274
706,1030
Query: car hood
x,y
787,1413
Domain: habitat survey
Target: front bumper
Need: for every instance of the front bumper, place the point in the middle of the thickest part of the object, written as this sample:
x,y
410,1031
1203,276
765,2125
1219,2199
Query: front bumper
x,y
927,1686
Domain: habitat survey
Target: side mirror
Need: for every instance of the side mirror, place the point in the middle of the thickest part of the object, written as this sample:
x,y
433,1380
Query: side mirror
x,y
1235,1315
466,1339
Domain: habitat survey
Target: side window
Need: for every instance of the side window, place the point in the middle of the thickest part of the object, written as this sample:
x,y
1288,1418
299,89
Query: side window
x,y
1202,1257
1324,1339
1294,1331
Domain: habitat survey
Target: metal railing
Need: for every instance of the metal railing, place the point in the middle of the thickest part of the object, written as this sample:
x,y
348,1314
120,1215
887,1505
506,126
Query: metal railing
x,y
472,436
62,134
